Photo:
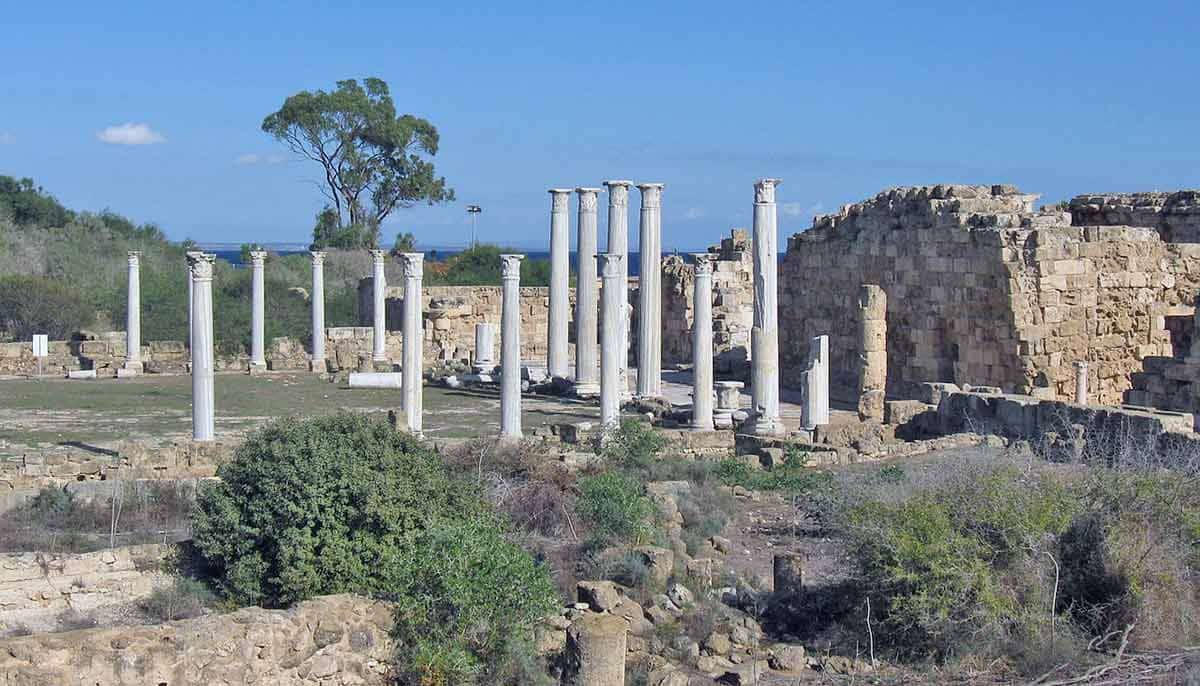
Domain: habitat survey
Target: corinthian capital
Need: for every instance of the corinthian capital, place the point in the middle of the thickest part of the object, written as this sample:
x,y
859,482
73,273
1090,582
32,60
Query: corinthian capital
x,y
764,190
704,264
510,267
651,194
414,264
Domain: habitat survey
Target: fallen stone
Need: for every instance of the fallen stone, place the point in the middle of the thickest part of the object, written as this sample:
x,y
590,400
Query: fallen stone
x,y
374,380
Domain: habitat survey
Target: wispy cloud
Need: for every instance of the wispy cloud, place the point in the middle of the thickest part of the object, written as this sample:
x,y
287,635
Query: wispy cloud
x,y
7,138
694,213
795,209
257,158
131,134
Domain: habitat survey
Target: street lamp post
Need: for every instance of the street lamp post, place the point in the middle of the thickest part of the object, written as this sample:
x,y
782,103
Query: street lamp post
x,y
474,211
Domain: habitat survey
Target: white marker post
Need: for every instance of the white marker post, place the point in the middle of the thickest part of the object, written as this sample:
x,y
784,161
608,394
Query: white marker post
x,y
41,349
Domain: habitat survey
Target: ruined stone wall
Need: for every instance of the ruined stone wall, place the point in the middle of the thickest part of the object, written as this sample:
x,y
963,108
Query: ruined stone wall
x,y
733,306
339,639
103,352
1176,216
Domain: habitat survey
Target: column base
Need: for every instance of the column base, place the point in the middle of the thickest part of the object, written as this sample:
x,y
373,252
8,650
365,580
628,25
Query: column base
x,y
318,366
765,426
586,389
127,373
256,368
134,367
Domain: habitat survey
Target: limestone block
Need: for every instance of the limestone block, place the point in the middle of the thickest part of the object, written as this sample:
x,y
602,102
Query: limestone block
x,y
375,379
596,646
873,336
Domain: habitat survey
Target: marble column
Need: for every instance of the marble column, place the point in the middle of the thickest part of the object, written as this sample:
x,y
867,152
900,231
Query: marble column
x,y
557,356
611,329
201,267
133,315
318,312
702,346
485,346
379,290
815,408
258,309
764,336
587,298
191,255
411,378
872,344
649,375
1081,383
510,347
618,244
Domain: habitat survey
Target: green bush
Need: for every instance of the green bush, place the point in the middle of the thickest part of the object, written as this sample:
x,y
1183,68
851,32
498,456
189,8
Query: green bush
x,y
346,504
183,598
790,477
615,509
633,446
35,305
479,265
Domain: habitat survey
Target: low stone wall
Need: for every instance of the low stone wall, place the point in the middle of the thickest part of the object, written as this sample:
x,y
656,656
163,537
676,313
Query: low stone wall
x,y
34,587
331,640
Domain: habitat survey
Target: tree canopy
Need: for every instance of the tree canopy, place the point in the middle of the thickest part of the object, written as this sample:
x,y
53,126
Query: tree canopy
x,y
373,160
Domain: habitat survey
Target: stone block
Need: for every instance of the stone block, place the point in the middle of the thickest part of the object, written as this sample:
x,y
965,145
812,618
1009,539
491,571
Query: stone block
x,y
375,379
81,374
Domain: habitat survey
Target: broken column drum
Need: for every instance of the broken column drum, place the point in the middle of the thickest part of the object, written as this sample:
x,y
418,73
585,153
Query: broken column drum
x,y
649,380
1081,383
201,266
557,355
815,408
702,346
610,343
485,345
764,336
872,345
379,290
411,378
258,359
587,298
510,347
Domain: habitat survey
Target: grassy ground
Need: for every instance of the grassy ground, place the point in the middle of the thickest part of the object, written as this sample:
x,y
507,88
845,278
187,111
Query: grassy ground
x,y
59,411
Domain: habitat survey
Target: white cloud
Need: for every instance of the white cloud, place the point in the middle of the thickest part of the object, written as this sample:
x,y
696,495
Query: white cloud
x,y
694,213
795,209
131,134
256,158
7,138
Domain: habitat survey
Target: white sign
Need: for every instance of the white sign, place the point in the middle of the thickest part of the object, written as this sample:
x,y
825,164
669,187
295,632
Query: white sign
x,y
41,346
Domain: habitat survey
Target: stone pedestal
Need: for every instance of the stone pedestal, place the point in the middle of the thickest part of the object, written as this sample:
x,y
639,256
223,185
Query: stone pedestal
x,y
815,388
1081,383
872,346
317,363
133,316
702,346
414,339
258,360
587,298
201,267
618,244
485,348
510,347
764,336
379,290
649,372
610,340
729,396
557,349
596,646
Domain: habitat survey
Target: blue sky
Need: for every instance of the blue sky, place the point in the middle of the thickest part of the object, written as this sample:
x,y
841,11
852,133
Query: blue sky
x,y
840,100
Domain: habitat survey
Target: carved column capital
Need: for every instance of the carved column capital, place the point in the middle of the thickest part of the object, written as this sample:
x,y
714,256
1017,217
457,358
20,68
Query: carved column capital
x,y
414,264
610,265
618,193
201,265
318,257
377,256
704,264
764,190
559,199
257,258
510,267
135,257
651,194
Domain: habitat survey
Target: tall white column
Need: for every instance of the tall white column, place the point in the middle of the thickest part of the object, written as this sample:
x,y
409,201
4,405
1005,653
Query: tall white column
x,y
411,378
258,310
764,336
510,346
557,355
191,255
649,378
201,266
587,298
379,290
318,312
1081,383
611,328
618,244
815,408
133,317
702,346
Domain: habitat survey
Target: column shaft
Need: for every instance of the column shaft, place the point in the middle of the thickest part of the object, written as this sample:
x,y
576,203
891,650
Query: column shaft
x,y
764,336
485,337
257,311
702,347
815,408
1081,383
649,378
557,355
411,378
379,290
610,341
587,297
510,347
202,348
872,338
318,312
191,255
618,244
133,318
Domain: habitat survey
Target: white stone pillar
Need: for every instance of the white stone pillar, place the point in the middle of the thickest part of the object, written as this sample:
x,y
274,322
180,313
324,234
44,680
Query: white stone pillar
x,y
379,290
587,298
649,376
873,358
191,255
201,267
618,244
258,309
815,408
1081,383
411,378
702,346
764,336
485,346
611,329
318,312
133,317
510,347
557,355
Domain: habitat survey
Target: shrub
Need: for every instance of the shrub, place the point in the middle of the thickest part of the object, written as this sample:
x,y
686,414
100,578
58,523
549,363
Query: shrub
x,y
36,305
790,477
634,445
183,598
615,509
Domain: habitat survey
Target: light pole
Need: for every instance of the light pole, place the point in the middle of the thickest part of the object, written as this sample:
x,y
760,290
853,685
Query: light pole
x,y
474,211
